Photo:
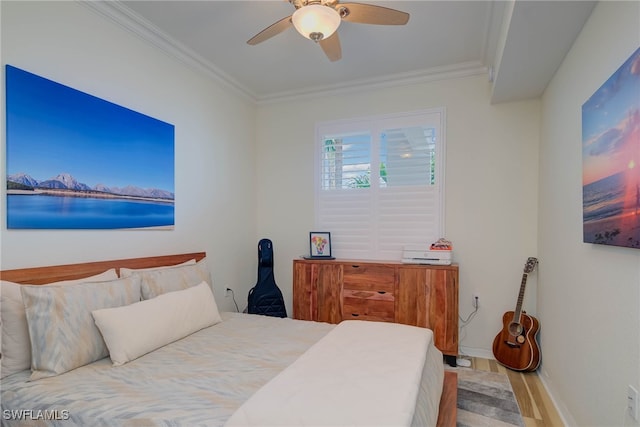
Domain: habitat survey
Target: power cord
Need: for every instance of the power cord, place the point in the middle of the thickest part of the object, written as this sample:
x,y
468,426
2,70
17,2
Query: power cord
x,y
233,296
470,317
464,322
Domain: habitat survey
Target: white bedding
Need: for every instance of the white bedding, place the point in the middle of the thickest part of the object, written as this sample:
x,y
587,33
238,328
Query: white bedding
x,y
200,380
360,374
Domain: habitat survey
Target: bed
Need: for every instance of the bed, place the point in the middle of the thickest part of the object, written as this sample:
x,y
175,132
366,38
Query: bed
x,y
242,370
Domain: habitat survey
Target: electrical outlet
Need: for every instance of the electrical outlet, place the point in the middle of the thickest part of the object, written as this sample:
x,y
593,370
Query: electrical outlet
x,y
227,292
632,402
475,300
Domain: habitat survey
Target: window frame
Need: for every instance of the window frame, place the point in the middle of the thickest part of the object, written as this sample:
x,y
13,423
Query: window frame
x,y
375,125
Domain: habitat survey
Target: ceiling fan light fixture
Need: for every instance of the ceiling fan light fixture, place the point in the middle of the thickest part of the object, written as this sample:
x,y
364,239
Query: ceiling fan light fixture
x,y
316,22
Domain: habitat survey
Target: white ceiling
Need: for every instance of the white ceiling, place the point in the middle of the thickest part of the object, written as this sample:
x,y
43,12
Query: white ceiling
x,y
520,44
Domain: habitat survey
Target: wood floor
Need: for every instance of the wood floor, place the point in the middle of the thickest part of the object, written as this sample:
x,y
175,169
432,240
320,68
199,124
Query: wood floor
x,y
535,404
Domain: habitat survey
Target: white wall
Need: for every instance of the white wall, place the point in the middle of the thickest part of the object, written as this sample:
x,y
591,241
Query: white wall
x,y
491,186
588,295
214,137
242,175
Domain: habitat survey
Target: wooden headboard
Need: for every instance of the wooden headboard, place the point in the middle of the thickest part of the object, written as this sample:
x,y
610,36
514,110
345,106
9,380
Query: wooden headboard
x,y
42,275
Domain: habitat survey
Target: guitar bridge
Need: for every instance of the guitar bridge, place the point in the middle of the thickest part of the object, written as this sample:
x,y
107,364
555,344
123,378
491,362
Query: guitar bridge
x,y
512,345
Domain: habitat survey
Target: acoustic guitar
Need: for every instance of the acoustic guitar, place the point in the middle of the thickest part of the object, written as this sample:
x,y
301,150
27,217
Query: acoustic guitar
x,y
516,346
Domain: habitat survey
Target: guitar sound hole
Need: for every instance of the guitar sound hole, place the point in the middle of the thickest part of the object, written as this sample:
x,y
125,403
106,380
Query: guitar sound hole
x,y
515,329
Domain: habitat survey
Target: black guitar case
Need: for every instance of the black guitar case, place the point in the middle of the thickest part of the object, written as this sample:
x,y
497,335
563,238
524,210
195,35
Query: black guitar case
x,y
265,297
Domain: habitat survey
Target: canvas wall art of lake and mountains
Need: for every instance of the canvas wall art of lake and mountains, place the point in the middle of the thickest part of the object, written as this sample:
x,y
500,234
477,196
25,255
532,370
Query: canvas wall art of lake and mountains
x,y
75,161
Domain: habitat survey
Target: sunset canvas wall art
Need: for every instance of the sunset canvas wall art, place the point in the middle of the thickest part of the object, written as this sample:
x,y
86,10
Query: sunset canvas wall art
x,y
611,159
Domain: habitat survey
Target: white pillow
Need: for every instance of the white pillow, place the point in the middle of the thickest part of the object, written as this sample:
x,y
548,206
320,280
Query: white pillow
x,y
15,346
127,272
158,282
62,332
140,328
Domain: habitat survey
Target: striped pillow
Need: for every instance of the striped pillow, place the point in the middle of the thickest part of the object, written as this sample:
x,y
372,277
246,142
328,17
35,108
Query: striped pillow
x,y
158,282
15,345
61,328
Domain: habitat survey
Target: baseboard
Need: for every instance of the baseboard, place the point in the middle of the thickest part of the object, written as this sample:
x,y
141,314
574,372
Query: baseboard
x,y
475,352
547,383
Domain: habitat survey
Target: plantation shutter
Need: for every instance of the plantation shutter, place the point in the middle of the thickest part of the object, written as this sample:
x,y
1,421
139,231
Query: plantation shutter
x,y
379,184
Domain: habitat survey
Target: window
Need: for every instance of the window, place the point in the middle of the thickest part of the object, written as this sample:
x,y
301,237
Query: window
x,y
379,183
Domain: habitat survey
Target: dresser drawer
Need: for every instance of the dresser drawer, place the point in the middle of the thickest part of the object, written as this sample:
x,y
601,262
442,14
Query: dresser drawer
x,y
367,309
368,277
411,294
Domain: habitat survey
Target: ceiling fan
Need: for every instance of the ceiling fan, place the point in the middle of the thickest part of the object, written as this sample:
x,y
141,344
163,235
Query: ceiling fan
x,y
318,20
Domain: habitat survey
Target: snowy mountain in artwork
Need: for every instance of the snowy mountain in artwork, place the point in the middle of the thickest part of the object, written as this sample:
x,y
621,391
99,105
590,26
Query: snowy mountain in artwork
x,y
65,181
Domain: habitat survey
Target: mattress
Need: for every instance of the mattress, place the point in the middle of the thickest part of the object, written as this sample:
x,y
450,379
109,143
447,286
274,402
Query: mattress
x,y
200,380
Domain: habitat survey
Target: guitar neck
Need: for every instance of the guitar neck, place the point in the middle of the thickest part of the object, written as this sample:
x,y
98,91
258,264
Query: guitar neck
x,y
518,311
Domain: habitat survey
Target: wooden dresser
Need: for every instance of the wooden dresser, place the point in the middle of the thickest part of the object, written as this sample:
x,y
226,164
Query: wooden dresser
x,y
420,295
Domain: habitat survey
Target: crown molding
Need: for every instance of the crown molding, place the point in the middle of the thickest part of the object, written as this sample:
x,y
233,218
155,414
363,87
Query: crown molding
x,y
457,71
124,17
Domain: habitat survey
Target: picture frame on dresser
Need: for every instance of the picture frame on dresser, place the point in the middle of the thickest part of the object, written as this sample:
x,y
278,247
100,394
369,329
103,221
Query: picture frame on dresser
x,y
320,245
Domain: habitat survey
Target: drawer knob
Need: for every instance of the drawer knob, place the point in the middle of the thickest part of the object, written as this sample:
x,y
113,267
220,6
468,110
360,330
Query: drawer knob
x,y
382,292
355,314
355,266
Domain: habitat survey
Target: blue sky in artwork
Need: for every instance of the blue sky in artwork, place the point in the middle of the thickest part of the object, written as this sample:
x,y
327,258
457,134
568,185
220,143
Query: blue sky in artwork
x,y
53,129
611,122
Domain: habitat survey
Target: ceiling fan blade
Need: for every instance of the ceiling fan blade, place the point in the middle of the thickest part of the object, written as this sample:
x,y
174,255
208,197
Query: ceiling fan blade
x,y
370,14
331,47
271,31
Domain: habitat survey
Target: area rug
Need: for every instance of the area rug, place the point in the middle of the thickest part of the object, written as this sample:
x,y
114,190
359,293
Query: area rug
x,y
486,399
